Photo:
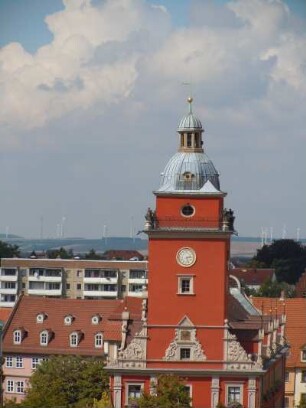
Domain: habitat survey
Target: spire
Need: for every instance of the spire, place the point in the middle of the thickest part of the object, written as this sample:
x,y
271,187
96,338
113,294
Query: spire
x,y
190,130
190,100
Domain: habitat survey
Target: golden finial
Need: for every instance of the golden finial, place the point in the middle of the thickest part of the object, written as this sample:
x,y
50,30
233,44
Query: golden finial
x,y
189,100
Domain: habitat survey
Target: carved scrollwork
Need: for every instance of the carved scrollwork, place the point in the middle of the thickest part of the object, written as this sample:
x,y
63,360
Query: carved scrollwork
x,y
173,351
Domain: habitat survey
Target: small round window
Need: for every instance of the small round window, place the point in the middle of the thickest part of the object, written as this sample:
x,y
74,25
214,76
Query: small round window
x,y
188,210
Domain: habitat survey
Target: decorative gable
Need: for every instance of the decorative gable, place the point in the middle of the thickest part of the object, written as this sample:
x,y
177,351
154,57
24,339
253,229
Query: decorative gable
x,y
185,345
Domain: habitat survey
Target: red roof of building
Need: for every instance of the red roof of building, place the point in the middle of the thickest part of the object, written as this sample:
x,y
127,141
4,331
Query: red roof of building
x,y
252,276
300,286
5,313
295,329
28,307
123,254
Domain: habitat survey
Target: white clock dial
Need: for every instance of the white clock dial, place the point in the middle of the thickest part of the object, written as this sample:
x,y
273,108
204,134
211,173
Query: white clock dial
x,y
186,257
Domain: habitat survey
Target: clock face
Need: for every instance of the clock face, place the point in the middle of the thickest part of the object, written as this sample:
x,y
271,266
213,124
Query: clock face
x,y
186,257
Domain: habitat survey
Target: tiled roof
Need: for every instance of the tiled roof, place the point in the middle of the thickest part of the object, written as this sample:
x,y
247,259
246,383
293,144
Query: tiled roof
x,y
252,276
5,314
295,329
122,254
82,311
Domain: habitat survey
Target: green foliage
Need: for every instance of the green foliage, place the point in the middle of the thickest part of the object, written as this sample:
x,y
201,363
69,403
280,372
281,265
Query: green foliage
x,y
92,255
8,251
170,392
60,253
11,404
67,381
302,403
287,256
274,289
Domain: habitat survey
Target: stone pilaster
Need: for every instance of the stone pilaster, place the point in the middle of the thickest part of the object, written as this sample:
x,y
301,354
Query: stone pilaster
x,y
215,389
117,391
251,392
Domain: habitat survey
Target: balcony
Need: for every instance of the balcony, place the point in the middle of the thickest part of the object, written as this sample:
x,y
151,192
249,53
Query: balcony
x,y
138,281
100,293
189,223
8,291
97,280
8,278
134,294
45,292
4,303
45,278
225,222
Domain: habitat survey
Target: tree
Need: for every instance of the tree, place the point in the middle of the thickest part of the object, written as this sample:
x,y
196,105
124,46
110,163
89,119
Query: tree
x,y
60,253
92,255
67,381
8,250
169,392
287,256
274,289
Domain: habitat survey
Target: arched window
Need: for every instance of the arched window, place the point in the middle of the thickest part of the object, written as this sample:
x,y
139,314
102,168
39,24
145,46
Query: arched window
x,y
99,340
44,338
17,337
74,339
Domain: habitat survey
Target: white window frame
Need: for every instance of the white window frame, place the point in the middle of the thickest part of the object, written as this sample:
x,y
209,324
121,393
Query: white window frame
x,y
190,392
181,279
19,362
302,353
95,319
44,338
128,385
68,320
98,340
10,386
40,318
19,386
190,353
74,339
17,336
9,362
232,385
35,362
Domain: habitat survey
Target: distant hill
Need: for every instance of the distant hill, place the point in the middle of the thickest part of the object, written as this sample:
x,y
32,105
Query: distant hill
x,y
78,245
4,237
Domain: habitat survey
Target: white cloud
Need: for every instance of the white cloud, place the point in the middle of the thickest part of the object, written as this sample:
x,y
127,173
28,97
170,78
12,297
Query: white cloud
x,y
64,75
111,79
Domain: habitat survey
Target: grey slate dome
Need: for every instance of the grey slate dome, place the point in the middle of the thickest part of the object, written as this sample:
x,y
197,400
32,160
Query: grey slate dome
x,y
190,122
190,169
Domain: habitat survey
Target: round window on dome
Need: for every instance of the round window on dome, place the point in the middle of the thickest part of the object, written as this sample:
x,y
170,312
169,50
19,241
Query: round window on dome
x,y
187,210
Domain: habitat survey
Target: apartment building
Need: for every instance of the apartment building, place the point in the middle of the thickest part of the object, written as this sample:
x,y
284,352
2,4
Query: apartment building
x,y
71,278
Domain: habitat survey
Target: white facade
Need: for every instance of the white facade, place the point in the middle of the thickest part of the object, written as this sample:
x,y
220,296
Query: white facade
x,y
85,279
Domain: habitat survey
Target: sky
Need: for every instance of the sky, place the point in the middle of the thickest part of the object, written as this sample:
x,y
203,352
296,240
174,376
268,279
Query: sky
x,y
91,94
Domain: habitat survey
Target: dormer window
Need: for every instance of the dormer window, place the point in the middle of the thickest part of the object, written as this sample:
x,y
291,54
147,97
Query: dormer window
x,y
68,320
41,317
303,354
99,340
45,337
75,338
17,336
95,319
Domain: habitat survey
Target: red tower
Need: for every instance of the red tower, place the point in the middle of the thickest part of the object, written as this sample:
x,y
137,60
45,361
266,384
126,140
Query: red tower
x,y
193,324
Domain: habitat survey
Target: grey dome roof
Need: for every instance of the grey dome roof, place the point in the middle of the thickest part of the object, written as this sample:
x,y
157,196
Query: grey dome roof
x,y
189,171
188,122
